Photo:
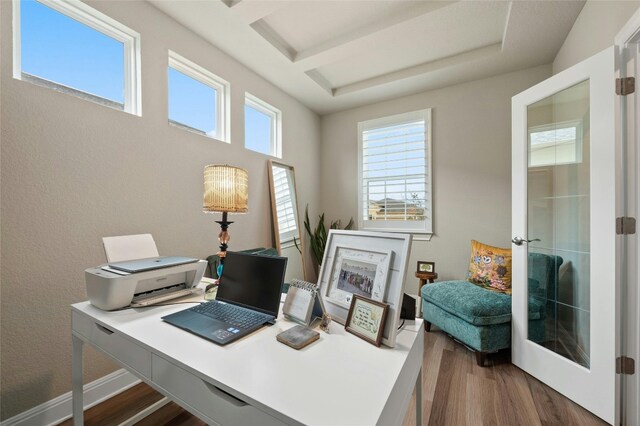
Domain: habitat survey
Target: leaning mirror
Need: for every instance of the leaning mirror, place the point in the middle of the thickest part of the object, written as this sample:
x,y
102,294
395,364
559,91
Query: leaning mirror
x,y
286,223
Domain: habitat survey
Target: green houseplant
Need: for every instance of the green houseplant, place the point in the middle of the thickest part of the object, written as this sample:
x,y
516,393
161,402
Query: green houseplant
x,y
318,235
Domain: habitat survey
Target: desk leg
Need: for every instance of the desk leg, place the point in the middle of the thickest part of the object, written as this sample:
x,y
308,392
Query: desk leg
x,y
76,378
419,398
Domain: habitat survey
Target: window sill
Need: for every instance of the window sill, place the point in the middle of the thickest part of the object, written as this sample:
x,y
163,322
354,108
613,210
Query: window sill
x,y
194,130
416,235
61,88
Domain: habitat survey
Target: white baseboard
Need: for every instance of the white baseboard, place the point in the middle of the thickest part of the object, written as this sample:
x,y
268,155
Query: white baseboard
x,y
59,409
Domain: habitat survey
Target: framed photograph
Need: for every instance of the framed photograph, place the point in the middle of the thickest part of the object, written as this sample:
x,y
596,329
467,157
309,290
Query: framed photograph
x,y
426,266
366,319
358,246
357,272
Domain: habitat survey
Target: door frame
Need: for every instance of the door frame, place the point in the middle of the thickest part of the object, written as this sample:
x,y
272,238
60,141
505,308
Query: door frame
x,y
545,365
628,184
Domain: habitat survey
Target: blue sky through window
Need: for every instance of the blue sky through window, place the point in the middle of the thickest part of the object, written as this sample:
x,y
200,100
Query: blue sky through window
x,y
57,48
60,49
192,103
257,130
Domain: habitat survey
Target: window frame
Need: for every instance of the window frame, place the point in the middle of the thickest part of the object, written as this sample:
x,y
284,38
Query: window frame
x,y
275,142
577,124
104,24
409,226
206,77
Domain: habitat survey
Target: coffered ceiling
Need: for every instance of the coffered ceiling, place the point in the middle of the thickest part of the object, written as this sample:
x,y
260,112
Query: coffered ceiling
x,y
337,54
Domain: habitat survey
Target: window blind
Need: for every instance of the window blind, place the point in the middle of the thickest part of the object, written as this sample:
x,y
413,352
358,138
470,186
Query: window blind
x,y
395,172
285,210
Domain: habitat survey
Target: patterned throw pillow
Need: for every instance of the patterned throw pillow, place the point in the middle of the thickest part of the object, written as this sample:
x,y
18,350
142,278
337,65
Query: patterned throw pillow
x,y
490,267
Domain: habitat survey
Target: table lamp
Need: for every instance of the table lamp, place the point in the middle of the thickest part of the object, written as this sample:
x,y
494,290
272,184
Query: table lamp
x,y
226,190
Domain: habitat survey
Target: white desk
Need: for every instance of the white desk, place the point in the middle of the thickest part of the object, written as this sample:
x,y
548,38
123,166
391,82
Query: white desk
x,y
338,380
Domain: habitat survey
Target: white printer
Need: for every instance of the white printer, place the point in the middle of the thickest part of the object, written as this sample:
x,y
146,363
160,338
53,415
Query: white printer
x,y
142,282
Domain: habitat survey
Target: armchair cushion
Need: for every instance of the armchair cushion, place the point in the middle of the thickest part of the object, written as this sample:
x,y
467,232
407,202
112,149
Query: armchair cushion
x,y
474,304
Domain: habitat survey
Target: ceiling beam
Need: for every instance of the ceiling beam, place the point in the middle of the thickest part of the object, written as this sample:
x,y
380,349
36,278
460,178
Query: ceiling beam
x,y
319,79
267,33
339,47
506,24
425,68
252,11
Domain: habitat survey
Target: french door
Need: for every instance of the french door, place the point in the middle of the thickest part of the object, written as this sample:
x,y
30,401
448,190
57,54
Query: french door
x,y
628,52
563,220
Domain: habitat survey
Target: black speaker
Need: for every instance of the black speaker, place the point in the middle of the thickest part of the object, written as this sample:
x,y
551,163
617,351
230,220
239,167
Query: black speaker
x,y
408,310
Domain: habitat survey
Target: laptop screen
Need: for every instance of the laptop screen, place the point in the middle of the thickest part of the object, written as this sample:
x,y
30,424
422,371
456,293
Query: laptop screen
x,y
252,281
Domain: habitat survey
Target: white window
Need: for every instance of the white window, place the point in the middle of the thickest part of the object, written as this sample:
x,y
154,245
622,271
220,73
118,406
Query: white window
x,y
198,99
394,171
555,144
72,48
262,127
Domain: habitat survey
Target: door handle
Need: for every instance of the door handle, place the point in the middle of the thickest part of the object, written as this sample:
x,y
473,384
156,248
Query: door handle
x,y
518,241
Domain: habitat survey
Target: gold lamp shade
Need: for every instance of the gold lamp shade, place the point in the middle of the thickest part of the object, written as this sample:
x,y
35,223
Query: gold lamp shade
x,y
226,189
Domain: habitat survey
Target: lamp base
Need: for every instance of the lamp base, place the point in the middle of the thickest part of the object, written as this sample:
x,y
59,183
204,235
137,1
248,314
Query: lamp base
x,y
223,236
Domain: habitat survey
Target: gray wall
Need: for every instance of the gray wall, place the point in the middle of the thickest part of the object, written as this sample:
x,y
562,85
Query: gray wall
x,y
471,166
593,31
74,171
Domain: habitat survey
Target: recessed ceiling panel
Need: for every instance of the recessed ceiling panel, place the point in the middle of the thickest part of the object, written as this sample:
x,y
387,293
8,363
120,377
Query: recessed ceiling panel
x,y
305,24
338,54
431,37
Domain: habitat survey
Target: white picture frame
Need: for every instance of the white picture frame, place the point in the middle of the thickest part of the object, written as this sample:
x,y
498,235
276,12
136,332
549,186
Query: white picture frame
x,y
357,271
398,245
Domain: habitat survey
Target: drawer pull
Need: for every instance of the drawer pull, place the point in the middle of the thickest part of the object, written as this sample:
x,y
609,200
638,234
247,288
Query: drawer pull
x,y
104,329
225,395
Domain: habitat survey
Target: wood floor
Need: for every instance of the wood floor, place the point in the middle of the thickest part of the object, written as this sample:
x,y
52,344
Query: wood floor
x,y
455,392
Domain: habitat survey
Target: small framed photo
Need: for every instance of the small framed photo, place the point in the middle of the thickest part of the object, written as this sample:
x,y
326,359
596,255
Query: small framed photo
x,y
426,266
366,319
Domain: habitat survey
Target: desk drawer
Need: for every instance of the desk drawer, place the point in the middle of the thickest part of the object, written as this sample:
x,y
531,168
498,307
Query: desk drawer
x,y
114,344
192,392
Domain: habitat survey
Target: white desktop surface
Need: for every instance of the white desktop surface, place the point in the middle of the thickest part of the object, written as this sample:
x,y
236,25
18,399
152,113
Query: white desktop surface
x,y
337,380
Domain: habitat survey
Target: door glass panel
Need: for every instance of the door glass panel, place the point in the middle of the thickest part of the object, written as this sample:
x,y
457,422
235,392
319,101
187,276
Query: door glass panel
x,y
558,215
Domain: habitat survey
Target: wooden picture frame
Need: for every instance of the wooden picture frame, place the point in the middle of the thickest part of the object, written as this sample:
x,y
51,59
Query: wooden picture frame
x,y
429,267
367,319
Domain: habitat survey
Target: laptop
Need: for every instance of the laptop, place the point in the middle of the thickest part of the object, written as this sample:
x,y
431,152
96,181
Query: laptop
x,y
248,298
151,263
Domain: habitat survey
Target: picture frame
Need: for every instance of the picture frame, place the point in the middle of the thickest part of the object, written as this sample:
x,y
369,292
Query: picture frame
x,y
399,247
357,271
426,266
366,319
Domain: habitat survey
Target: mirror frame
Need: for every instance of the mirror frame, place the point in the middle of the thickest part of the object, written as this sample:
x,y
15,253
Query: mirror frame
x,y
274,213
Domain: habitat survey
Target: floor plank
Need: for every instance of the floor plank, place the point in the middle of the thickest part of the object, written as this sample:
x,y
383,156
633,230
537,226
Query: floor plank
x,y
121,407
171,414
516,403
456,391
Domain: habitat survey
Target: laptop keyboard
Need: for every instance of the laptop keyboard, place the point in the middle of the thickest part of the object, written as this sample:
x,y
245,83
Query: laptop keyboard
x,y
234,315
